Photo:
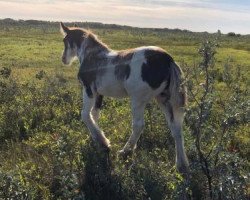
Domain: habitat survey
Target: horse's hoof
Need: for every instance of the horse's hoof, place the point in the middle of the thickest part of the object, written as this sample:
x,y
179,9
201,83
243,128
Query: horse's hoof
x,y
184,171
124,154
105,147
104,144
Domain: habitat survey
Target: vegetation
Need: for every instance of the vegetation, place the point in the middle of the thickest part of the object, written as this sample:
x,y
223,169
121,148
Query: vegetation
x,y
46,151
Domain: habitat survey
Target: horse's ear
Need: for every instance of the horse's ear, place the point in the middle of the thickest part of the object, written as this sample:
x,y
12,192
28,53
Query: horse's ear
x,y
75,25
64,29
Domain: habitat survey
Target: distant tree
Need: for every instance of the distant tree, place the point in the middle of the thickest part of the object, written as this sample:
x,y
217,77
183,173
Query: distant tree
x,y
231,34
219,32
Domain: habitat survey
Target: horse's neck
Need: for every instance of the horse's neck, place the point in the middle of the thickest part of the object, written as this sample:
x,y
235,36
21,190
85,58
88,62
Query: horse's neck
x,y
97,52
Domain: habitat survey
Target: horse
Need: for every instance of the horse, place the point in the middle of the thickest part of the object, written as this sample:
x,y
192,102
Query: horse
x,y
142,74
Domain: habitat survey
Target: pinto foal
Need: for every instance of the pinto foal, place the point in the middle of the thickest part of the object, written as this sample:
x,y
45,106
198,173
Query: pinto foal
x,y
142,74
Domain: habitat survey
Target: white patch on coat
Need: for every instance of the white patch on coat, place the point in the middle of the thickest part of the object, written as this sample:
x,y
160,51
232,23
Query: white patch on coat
x,y
69,55
107,84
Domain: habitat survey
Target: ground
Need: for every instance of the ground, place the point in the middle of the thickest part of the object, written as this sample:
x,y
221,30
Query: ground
x,y
46,150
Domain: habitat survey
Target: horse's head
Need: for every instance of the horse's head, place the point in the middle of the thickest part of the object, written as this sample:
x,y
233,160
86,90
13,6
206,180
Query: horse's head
x,y
73,38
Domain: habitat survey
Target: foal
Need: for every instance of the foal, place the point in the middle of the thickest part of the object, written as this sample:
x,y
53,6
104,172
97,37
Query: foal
x,y
142,74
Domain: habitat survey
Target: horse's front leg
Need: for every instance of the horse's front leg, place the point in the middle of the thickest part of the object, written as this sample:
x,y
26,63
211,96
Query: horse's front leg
x,y
137,126
96,108
95,132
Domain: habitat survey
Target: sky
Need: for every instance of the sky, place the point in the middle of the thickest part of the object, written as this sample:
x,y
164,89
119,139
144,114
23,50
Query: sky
x,y
194,15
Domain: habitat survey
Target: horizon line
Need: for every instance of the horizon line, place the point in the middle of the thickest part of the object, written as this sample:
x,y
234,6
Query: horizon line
x,y
125,25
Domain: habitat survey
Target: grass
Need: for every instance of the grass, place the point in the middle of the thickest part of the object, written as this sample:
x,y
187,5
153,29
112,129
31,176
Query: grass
x,y
55,159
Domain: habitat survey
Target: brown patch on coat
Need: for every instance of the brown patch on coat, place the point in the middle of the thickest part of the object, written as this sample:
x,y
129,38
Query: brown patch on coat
x,y
156,69
122,71
98,101
74,36
90,69
94,60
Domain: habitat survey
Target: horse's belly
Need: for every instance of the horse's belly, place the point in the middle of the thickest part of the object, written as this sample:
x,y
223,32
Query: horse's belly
x,y
112,90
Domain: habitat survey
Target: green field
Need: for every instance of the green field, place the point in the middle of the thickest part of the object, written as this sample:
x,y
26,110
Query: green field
x,y
46,151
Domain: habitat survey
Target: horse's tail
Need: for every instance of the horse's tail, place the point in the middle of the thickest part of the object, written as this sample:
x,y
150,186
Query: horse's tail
x,y
177,90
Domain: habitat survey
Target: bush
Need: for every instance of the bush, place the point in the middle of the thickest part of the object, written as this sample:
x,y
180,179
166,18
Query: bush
x,y
212,118
46,151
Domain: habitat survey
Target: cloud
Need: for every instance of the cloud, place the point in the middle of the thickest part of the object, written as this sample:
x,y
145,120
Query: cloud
x,y
185,14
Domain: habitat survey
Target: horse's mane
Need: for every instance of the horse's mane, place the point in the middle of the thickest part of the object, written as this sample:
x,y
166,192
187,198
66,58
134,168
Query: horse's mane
x,y
93,40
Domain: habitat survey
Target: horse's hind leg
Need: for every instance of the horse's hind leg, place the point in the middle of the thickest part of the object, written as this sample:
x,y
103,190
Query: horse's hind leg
x,y
137,126
96,133
174,116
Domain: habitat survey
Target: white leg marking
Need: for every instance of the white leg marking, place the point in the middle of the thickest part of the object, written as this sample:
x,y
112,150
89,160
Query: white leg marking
x,y
137,125
96,133
95,112
174,117
175,126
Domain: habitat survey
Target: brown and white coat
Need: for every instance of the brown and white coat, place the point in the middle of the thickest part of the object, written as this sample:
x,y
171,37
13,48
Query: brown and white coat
x,y
141,74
